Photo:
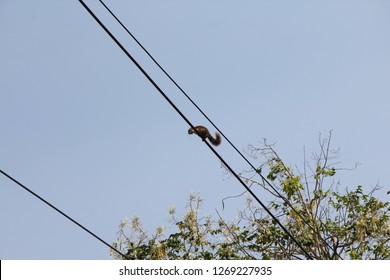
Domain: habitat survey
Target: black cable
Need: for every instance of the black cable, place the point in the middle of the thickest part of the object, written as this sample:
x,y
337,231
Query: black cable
x,y
62,213
213,124
185,119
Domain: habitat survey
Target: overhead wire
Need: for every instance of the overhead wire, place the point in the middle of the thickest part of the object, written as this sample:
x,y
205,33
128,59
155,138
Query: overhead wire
x,y
190,124
215,126
61,212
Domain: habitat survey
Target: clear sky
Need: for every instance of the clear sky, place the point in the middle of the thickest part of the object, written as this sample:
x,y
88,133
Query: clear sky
x,y
83,128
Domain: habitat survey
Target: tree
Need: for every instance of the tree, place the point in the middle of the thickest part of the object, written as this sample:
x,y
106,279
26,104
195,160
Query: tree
x,y
327,223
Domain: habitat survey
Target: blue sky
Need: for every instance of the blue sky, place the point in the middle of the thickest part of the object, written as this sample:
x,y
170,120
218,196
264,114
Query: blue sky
x,y
84,129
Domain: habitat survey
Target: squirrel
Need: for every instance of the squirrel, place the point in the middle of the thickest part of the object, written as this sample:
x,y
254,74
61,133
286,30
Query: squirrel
x,y
204,133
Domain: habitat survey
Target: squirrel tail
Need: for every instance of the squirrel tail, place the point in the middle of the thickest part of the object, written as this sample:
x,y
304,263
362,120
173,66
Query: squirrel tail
x,y
217,140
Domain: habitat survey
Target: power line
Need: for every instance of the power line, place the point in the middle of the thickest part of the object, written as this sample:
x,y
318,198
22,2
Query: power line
x,y
61,212
188,122
215,126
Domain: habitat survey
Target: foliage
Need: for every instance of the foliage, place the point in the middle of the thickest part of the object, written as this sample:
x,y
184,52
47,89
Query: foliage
x,y
327,223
